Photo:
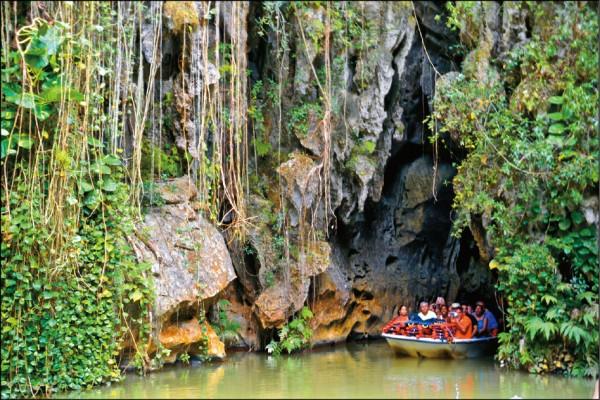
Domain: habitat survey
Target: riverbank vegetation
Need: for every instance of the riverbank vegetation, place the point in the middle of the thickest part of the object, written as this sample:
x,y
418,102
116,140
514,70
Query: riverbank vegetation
x,y
528,124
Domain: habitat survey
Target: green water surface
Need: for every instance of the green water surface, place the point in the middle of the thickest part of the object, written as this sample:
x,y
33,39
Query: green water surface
x,y
353,370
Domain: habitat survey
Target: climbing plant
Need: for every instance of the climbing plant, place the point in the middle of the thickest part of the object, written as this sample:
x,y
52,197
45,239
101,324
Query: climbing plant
x,y
72,289
530,176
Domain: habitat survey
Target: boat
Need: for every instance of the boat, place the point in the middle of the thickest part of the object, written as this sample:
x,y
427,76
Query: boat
x,y
441,348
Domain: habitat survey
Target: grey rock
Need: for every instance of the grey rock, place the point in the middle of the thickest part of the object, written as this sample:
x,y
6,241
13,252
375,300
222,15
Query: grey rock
x,y
190,260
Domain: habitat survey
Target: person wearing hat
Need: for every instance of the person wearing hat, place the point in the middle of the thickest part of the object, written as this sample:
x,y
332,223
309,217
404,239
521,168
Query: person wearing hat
x,y
440,301
463,327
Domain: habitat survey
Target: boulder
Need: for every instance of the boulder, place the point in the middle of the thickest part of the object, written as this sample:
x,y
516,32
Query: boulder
x,y
189,258
288,294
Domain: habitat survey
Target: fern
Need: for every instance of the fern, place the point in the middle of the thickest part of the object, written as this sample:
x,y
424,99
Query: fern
x,y
549,299
587,296
536,325
589,318
554,313
294,335
574,333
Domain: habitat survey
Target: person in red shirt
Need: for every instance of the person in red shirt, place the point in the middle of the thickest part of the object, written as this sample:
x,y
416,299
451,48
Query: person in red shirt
x,y
398,322
462,325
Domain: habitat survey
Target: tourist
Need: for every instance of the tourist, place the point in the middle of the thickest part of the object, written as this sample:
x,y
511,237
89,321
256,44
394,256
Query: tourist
x,y
398,322
425,313
443,313
468,311
482,321
463,327
492,323
440,301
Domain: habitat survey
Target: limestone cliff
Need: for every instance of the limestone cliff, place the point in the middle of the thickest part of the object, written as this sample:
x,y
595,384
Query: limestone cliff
x,y
349,206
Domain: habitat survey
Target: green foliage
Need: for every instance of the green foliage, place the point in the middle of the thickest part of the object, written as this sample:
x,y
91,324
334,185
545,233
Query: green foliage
x,y
367,147
262,148
269,278
151,197
184,358
301,116
226,329
71,287
65,318
294,335
459,14
531,162
159,163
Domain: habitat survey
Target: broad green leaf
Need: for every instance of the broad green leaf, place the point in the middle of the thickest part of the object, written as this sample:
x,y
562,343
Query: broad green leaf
x,y
4,147
112,160
577,217
72,200
85,186
36,61
25,100
44,44
11,90
93,198
556,100
564,224
556,129
41,111
556,141
109,185
137,295
25,141
54,94
556,116
99,168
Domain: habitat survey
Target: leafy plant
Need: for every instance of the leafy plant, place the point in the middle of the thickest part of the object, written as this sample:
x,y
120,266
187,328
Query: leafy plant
x,y
294,335
530,163
226,329
72,290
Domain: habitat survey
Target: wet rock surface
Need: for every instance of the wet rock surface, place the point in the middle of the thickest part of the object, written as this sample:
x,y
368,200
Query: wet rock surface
x,y
389,220
190,262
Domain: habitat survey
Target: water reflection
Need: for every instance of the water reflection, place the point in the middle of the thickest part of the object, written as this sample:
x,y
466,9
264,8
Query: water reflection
x,y
349,371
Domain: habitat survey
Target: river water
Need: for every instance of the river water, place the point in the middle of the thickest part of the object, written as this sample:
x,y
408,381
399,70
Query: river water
x,y
352,370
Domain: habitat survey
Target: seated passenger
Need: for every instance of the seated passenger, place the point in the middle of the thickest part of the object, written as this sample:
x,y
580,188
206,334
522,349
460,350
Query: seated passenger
x,y
443,313
492,324
467,310
463,327
399,321
482,321
425,313
440,301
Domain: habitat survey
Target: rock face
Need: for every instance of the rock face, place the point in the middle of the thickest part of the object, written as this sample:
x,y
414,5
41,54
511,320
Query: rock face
x,y
400,253
385,233
190,264
390,240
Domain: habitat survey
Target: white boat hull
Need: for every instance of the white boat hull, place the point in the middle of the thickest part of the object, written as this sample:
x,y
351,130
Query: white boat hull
x,y
435,348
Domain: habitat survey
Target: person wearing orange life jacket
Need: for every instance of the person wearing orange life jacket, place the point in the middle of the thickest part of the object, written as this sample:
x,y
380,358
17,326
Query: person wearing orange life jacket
x,y
399,321
462,325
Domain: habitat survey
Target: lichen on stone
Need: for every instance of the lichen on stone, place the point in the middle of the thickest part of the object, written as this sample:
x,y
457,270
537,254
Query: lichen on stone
x,y
180,14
